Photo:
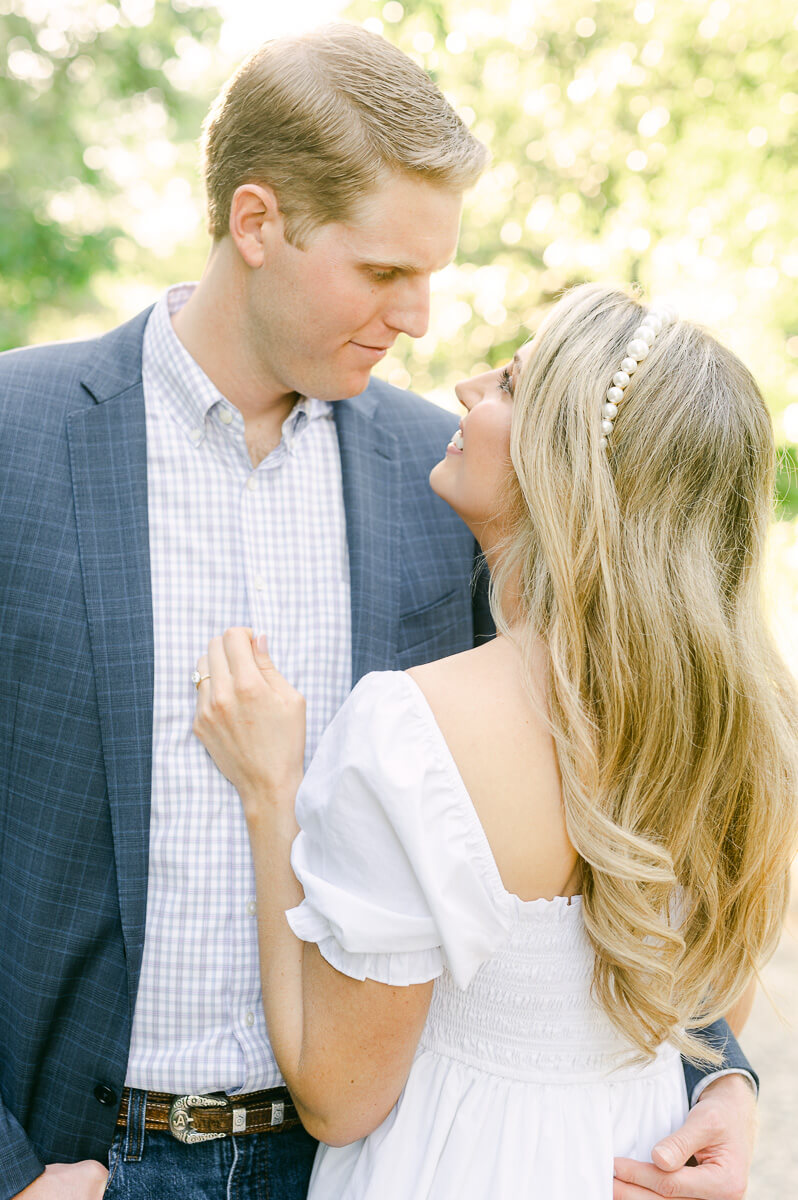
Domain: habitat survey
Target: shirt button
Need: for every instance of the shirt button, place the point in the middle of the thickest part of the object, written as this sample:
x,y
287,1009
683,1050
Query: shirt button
x,y
250,1018
225,416
252,483
252,908
196,436
260,583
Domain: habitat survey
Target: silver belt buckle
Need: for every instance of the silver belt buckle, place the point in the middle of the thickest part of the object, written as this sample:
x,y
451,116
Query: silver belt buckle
x,y
181,1122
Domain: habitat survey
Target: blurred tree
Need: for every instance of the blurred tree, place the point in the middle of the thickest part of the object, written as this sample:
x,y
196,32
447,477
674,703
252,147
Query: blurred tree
x,y
651,142
647,142
80,83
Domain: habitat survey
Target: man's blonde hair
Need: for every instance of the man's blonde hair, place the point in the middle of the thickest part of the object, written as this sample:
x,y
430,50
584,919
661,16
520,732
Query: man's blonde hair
x,y
322,118
673,714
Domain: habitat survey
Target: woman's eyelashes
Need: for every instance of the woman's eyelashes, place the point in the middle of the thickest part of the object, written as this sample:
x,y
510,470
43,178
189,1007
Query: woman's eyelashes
x,y
506,381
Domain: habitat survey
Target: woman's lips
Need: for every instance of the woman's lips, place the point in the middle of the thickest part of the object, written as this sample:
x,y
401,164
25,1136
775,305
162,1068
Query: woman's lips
x,y
456,444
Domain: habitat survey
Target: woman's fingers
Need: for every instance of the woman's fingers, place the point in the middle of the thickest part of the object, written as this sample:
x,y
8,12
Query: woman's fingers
x,y
221,678
263,660
203,684
237,644
250,663
250,719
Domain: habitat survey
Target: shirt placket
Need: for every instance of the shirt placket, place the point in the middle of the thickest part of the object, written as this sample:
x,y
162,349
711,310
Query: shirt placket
x,y
260,511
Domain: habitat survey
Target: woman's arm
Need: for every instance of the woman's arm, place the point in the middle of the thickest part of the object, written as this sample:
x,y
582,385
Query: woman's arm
x,y
344,1046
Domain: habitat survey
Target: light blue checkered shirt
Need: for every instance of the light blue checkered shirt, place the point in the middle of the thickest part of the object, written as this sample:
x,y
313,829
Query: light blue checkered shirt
x,y
229,545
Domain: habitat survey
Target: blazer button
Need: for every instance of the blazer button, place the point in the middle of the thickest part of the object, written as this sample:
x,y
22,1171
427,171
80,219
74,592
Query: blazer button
x,y
105,1094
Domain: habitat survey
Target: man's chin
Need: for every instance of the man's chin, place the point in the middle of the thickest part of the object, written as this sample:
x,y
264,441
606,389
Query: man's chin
x,y
351,384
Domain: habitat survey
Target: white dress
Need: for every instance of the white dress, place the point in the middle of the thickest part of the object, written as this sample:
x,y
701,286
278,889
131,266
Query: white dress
x,y
521,1088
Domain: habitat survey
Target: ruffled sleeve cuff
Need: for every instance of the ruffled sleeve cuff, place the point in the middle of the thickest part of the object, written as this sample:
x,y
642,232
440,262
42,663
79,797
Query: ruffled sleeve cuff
x,y
398,969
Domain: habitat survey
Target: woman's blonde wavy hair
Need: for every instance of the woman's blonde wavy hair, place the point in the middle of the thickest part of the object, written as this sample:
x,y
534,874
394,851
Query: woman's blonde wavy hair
x,y
673,715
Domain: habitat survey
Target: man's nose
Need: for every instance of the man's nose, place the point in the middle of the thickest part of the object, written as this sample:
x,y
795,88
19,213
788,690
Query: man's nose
x,y
409,311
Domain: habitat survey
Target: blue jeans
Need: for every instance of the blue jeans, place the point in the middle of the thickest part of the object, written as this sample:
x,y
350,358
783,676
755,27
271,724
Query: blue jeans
x,y
152,1165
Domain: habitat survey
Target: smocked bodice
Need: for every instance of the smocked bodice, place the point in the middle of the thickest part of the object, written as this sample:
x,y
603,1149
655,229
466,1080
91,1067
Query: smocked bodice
x,y
528,1012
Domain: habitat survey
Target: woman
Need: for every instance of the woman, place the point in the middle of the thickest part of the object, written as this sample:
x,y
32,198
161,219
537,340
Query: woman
x,y
526,872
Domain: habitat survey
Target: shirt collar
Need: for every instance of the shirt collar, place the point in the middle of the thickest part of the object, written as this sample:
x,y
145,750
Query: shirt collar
x,y
187,391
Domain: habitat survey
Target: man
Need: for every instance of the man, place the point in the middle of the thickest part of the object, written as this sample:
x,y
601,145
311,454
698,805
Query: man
x,y
197,468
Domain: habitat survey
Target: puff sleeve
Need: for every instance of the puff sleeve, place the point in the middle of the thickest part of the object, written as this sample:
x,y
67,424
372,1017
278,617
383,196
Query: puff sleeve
x,y
398,878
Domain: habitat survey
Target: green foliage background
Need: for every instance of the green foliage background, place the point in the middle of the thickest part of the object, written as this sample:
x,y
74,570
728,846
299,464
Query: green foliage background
x,y
652,142
78,84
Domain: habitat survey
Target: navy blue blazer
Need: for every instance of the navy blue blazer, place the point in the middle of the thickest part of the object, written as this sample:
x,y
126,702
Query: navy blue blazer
x,y
76,665
76,661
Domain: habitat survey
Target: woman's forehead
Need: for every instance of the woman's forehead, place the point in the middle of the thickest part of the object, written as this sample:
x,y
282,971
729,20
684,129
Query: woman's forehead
x,y
522,353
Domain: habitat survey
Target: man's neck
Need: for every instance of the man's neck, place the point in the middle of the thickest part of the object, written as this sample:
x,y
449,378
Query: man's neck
x,y
208,327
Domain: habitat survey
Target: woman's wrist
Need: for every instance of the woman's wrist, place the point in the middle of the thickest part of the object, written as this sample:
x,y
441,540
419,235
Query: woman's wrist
x,y
270,800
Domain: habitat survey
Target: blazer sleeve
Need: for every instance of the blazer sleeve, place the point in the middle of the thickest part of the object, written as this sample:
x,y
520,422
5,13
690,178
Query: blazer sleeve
x,y
719,1037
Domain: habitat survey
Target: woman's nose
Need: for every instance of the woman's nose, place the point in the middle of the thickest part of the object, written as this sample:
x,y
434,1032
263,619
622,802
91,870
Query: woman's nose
x,y
467,393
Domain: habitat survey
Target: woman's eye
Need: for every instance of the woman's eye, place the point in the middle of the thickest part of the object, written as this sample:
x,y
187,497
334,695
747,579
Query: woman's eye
x,y
384,276
505,382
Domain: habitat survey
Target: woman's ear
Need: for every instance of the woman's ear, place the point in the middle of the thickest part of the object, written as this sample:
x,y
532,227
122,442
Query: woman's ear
x,y
255,217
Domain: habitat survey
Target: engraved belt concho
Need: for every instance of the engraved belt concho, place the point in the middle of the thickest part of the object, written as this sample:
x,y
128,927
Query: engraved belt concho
x,y
181,1122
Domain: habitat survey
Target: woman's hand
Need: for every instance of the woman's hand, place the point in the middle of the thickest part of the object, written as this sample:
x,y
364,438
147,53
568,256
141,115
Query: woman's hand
x,y
250,720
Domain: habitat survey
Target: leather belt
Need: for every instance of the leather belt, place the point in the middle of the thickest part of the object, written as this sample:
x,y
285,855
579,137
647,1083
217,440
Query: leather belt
x,y
204,1118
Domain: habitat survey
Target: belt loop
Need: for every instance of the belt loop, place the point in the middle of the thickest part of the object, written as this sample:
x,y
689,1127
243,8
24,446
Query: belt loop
x,y
134,1134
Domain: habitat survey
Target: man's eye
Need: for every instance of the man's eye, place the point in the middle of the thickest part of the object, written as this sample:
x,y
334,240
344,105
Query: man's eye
x,y
505,382
384,276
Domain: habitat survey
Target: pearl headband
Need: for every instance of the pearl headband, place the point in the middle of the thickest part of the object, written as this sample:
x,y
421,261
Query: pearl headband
x,y
654,322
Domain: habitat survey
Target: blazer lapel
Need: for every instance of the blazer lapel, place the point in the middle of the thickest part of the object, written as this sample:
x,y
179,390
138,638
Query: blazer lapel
x,y
108,454
370,468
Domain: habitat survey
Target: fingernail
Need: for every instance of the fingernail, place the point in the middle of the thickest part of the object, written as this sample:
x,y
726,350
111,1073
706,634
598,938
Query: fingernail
x,y
667,1155
262,643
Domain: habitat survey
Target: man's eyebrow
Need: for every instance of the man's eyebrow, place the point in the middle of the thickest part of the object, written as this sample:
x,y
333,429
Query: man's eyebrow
x,y
393,265
409,268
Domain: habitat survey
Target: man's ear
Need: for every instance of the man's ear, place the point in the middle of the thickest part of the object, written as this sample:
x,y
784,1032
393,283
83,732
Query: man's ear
x,y
255,218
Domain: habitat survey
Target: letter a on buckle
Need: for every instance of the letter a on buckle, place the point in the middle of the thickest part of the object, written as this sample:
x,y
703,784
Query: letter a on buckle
x,y
181,1122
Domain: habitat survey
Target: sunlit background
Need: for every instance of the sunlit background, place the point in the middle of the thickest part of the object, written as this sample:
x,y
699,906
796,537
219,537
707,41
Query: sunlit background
x,y
653,142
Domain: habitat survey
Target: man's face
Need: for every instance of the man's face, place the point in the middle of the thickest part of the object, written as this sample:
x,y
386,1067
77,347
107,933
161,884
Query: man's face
x,y
320,318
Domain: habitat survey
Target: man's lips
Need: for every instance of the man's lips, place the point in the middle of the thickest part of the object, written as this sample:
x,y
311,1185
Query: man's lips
x,y
376,352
